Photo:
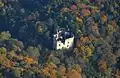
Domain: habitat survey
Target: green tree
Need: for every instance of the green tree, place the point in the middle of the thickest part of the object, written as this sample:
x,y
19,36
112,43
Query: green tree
x,y
1,76
3,50
14,44
5,35
33,51
16,72
28,74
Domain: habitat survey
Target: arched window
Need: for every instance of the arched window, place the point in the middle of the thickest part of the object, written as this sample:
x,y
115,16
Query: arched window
x,y
67,45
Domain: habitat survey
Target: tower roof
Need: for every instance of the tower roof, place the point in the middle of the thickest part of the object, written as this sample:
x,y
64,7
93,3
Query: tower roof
x,y
62,35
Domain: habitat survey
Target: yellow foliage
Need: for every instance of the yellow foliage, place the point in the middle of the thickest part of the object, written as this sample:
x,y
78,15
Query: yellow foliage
x,y
86,51
110,28
79,20
1,4
89,51
84,40
105,66
82,48
12,53
104,18
4,61
95,8
20,57
28,60
85,58
5,35
3,50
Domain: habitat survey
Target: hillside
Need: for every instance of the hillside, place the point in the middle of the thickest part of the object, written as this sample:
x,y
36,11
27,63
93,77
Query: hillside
x,y
26,38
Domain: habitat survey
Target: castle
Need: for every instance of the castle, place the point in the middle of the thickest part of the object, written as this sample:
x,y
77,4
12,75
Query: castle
x,y
63,39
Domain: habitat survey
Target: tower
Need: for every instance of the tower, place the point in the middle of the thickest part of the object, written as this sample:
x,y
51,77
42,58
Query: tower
x,y
63,39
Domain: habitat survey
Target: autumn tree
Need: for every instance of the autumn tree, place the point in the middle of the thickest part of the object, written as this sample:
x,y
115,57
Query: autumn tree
x,y
28,74
3,50
16,72
49,70
5,35
75,72
33,52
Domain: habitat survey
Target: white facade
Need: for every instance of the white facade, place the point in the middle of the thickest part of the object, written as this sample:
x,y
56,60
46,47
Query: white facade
x,y
66,44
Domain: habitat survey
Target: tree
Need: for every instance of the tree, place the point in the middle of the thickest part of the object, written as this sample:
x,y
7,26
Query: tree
x,y
14,44
109,58
49,70
41,27
1,4
1,76
62,70
3,50
5,35
102,66
28,74
72,73
85,51
54,59
16,73
33,52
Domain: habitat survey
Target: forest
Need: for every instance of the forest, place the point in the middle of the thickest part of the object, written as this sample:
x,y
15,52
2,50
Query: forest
x,y
26,38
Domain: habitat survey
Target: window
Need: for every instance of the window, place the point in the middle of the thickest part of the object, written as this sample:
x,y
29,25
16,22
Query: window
x,y
68,42
67,45
59,45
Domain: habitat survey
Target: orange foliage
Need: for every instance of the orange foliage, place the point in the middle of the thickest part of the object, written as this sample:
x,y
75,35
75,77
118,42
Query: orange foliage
x,y
117,74
72,73
62,70
84,39
104,17
49,70
12,63
113,24
95,28
102,66
65,9
5,62
28,60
